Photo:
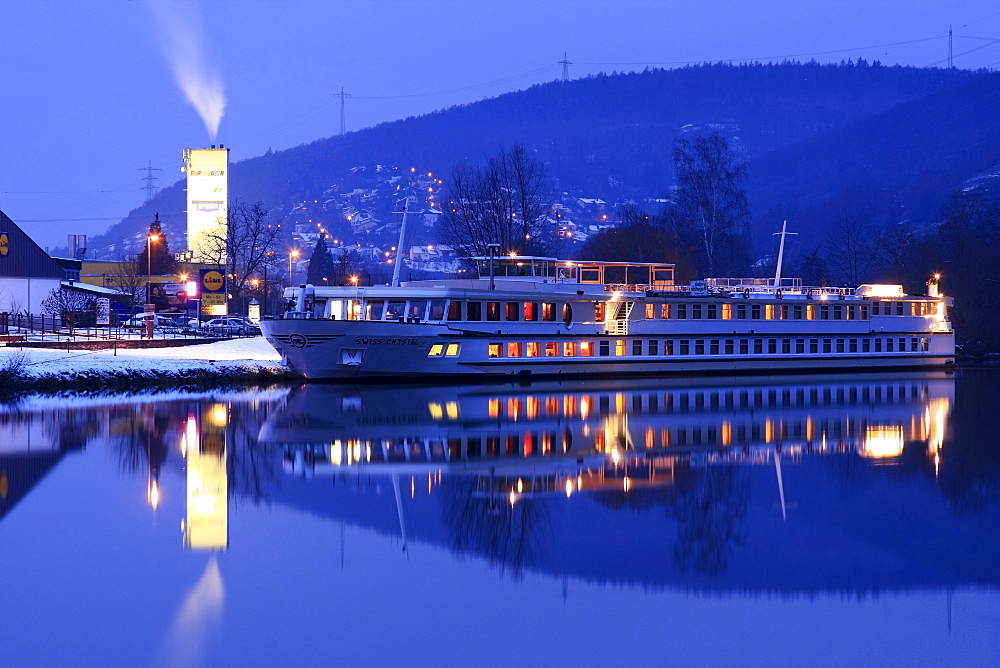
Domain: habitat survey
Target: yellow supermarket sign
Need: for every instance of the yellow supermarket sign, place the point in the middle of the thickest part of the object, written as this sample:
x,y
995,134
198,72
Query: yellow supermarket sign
x,y
213,281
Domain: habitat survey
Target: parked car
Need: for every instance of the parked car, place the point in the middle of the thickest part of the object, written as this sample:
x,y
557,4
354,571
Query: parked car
x,y
232,324
160,320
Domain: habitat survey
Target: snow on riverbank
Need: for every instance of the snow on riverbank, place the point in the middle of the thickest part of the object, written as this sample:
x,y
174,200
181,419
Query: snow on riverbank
x,y
253,354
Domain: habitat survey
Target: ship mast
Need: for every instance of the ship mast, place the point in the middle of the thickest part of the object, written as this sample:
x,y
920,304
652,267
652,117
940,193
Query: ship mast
x,y
781,253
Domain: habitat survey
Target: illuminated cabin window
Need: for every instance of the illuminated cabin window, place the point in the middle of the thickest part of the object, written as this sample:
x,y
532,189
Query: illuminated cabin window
x,y
650,311
492,310
567,314
668,347
374,309
454,310
551,349
453,349
496,350
783,312
665,311
727,311
512,311
619,347
599,312
436,350
811,312
569,349
531,311
548,312
494,407
586,349
769,312
534,349
514,349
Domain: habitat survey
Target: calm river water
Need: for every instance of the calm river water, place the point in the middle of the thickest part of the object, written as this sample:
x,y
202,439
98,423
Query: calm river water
x,y
789,520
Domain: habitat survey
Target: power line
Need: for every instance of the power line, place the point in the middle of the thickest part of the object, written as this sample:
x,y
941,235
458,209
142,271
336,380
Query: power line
x,y
150,187
343,119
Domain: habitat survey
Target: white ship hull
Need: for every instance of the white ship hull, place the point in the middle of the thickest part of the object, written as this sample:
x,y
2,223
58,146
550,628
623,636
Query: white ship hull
x,y
552,323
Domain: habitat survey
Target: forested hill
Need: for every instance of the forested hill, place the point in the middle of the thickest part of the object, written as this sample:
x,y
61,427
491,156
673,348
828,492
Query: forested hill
x,y
610,136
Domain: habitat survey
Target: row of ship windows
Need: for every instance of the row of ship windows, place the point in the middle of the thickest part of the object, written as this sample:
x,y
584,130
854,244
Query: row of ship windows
x,y
780,311
474,311
658,347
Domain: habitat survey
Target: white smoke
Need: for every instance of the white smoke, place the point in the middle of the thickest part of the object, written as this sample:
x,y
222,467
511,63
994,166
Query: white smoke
x,y
200,614
184,46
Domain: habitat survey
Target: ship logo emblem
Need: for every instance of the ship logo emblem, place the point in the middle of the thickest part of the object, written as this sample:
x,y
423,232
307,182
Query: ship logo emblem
x,y
297,340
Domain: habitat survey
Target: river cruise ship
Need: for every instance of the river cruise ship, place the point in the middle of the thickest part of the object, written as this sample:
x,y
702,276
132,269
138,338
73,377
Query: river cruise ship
x,y
548,317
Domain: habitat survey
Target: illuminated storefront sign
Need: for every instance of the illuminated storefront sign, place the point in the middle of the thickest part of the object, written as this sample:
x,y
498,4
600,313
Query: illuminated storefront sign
x,y
207,201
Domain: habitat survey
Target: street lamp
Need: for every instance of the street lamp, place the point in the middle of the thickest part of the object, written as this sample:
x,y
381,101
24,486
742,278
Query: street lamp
x,y
149,262
149,277
291,255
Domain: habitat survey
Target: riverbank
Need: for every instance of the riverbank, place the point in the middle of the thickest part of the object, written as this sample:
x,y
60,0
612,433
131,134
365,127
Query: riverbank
x,y
249,361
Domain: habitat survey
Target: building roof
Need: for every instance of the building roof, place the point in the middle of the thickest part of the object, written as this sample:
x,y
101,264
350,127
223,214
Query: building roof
x,y
20,257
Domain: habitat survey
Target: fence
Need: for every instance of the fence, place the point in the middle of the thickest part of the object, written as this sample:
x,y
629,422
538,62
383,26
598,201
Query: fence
x,y
46,327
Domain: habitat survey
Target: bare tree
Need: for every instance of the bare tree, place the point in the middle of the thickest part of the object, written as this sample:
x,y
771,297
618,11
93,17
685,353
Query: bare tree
x,y
852,250
130,280
710,201
74,308
247,246
504,202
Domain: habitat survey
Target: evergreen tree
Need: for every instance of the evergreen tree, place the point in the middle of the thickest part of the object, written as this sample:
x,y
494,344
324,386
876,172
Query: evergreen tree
x,y
321,269
162,261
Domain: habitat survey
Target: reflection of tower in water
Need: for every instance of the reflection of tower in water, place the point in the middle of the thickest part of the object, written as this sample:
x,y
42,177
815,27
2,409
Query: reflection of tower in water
x,y
204,444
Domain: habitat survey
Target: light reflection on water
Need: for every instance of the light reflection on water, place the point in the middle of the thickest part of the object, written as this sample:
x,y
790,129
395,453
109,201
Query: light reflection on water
x,y
821,498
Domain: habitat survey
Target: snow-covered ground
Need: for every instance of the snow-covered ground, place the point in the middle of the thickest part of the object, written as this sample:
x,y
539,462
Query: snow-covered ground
x,y
235,354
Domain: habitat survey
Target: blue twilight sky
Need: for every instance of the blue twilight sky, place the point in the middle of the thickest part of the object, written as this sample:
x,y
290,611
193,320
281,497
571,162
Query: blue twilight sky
x,y
90,99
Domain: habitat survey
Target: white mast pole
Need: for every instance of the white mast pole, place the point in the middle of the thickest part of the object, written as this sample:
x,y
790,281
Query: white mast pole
x,y
399,245
781,253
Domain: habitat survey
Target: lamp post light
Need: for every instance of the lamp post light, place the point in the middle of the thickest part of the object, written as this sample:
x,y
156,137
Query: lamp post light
x,y
149,279
291,254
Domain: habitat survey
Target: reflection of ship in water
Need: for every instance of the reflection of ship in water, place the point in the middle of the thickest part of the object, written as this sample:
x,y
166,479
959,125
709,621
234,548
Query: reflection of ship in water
x,y
571,436
788,485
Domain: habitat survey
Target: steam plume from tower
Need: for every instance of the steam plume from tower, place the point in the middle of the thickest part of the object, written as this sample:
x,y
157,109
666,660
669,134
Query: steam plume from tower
x,y
195,72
